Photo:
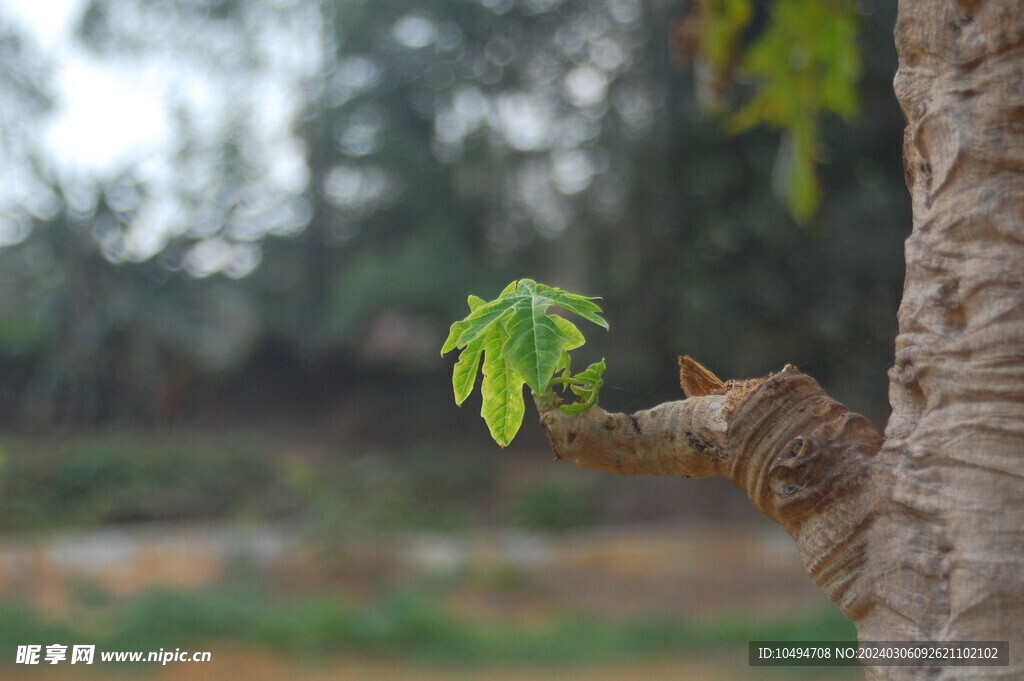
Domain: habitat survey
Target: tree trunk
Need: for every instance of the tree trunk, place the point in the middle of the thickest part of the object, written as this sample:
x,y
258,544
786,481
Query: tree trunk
x,y
920,537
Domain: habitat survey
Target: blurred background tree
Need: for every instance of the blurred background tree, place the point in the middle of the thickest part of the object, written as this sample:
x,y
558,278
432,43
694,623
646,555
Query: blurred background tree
x,y
312,188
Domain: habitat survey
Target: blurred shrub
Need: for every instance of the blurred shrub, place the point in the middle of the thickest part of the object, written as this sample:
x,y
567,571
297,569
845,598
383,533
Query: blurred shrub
x,y
418,488
556,506
119,477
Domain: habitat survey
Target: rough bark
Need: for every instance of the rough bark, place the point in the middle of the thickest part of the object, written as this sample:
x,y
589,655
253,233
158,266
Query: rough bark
x,y
803,459
921,538
954,447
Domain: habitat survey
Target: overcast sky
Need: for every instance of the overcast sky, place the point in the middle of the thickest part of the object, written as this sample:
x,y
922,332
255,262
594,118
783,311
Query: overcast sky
x,y
116,114
105,112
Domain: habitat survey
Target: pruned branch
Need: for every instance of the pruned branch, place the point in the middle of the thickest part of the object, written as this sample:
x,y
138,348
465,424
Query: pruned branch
x,y
676,438
804,459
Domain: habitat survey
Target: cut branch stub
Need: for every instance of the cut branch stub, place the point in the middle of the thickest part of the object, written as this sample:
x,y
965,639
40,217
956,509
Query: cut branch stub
x,y
804,459
696,380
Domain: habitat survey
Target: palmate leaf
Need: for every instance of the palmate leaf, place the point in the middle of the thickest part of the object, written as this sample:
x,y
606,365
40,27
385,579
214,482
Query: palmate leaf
x,y
534,344
502,389
535,339
517,343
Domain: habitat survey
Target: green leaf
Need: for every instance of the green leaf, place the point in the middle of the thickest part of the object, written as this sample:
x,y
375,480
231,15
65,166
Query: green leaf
x,y
518,343
534,345
574,408
451,342
536,340
796,180
581,305
502,389
564,363
464,373
459,327
722,24
587,385
572,336
479,320
804,63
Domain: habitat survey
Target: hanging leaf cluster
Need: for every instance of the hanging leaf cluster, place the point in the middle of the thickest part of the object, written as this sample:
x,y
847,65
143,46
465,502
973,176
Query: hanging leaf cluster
x,y
515,342
803,62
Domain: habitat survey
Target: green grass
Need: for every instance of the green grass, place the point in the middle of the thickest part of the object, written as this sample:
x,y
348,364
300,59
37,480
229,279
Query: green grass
x,y
409,624
100,477
125,476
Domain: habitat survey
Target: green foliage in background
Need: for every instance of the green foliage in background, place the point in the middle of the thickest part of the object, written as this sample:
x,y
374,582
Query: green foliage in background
x,y
129,477
556,506
181,475
412,623
518,343
449,146
804,63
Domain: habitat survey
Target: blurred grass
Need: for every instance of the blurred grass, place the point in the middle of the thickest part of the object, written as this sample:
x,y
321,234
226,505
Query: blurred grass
x,y
409,624
84,478
556,505
125,476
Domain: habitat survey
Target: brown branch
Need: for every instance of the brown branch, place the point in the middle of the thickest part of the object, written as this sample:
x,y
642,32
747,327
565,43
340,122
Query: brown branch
x,y
803,458
676,438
